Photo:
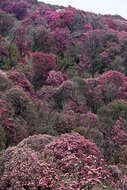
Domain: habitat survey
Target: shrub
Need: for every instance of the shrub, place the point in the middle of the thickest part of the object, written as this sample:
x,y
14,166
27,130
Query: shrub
x,y
16,129
89,120
113,126
109,84
54,78
77,164
6,24
19,79
23,107
19,169
92,94
93,135
36,142
43,40
20,9
42,64
20,166
2,138
5,83
65,122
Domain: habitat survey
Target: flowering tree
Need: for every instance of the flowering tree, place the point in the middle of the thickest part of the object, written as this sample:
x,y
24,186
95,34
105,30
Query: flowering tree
x,y
74,158
109,84
20,9
23,107
113,126
61,36
42,64
60,18
23,40
55,78
43,40
20,80
92,45
92,94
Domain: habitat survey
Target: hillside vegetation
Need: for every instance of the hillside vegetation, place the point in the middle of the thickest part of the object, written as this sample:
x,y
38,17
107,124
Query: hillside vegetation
x,y
63,98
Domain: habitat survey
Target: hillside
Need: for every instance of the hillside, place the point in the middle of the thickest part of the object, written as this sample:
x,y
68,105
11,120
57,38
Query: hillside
x,y
63,98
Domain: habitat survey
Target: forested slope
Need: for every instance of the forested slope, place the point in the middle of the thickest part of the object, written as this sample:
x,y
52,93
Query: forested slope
x,y
63,98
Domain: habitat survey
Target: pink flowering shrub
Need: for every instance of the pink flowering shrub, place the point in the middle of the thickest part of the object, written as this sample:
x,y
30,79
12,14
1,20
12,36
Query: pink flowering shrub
x,y
113,126
89,126
42,64
43,40
21,166
110,23
70,162
16,130
20,9
6,24
119,132
74,158
6,6
122,36
109,84
93,134
36,142
115,77
23,41
64,71
61,36
122,92
65,122
89,120
23,107
55,78
46,94
20,80
19,169
61,18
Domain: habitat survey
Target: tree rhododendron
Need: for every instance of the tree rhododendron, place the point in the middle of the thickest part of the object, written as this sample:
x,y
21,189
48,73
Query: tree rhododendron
x,y
55,78
42,64
63,98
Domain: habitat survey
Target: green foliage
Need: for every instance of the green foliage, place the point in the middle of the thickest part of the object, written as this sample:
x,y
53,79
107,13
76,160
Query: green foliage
x,y
26,69
118,64
108,116
67,63
4,63
61,51
7,22
92,134
79,84
46,120
42,40
81,130
13,55
119,109
59,100
2,138
23,107
112,112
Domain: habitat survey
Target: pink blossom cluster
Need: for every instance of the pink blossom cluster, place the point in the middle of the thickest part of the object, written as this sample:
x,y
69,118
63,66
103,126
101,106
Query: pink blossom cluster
x,y
55,78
